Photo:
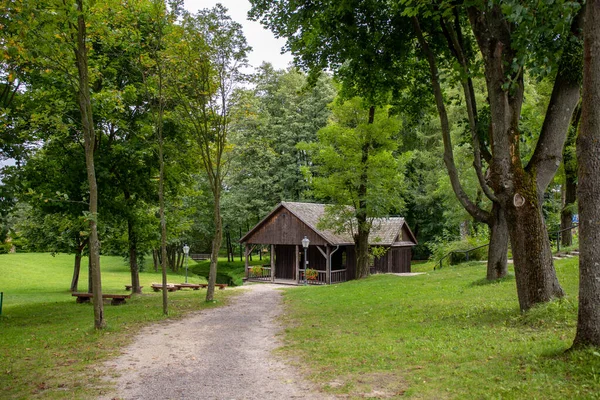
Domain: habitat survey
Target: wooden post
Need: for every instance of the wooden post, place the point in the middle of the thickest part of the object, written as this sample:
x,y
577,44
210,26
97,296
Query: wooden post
x,y
328,265
247,264
272,263
297,261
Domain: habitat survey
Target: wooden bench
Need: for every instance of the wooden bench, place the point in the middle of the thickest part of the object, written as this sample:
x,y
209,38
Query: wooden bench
x,y
220,285
194,286
128,287
116,299
158,286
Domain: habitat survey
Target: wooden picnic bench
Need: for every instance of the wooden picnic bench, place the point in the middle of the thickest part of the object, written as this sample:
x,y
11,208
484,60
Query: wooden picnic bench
x,y
116,299
128,287
158,286
197,286
220,285
194,286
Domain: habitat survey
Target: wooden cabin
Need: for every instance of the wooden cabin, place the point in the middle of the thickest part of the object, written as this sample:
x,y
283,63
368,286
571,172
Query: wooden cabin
x,y
330,253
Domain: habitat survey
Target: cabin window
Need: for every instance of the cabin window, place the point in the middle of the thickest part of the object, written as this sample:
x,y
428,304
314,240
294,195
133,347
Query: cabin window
x,y
344,259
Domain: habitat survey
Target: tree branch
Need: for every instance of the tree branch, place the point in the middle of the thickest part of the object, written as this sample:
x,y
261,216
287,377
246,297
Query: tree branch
x,y
472,209
565,95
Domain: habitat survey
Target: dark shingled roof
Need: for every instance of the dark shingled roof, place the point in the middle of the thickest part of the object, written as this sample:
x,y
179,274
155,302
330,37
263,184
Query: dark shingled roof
x,y
384,231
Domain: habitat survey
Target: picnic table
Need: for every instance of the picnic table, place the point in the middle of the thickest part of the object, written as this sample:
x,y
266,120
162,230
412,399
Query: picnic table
x,y
116,299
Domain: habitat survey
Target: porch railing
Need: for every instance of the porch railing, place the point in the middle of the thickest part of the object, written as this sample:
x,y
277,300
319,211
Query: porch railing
x,y
321,278
338,276
264,275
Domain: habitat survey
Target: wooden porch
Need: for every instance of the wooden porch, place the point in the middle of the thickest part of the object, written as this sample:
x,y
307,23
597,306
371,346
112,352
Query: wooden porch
x,y
286,262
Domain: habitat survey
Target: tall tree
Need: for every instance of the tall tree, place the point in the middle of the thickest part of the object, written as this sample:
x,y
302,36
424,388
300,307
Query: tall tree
x,y
209,58
52,37
369,47
87,122
588,189
355,165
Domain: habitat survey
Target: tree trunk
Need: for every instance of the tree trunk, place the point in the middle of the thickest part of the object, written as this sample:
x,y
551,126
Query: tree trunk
x,y
85,107
517,189
163,222
216,243
588,190
361,238
361,242
534,269
133,265
76,269
155,259
498,249
77,265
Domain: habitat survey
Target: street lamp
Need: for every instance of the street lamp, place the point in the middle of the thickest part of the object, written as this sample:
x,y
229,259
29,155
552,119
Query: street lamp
x,y
186,250
305,243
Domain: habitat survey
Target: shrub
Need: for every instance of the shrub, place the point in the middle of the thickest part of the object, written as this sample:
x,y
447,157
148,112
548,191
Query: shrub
x,y
441,249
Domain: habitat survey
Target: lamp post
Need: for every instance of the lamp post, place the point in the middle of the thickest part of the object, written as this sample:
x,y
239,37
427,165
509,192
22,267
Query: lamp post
x,y
186,250
305,243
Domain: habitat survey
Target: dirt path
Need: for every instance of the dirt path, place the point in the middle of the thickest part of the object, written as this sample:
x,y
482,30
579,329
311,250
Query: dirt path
x,y
221,353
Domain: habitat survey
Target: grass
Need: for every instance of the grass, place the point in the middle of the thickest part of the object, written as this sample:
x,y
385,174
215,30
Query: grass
x,y
48,346
448,334
443,335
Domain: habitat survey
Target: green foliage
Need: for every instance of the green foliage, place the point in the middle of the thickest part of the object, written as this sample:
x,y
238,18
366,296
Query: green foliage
x,y
340,164
441,248
268,122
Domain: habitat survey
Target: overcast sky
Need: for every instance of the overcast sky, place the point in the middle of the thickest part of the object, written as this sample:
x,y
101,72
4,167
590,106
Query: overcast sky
x,y
264,45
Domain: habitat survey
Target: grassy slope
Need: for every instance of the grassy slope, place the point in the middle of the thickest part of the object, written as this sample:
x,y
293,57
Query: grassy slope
x,y
446,334
47,341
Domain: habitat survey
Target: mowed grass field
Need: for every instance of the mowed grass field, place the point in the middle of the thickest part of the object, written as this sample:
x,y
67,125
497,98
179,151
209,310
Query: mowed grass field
x,y
48,347
447,334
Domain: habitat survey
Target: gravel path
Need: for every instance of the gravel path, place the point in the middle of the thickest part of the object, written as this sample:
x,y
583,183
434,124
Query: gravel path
x,y
221,353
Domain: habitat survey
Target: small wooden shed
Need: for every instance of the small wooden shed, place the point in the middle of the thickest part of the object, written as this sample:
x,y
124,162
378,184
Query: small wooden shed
x,y
331,254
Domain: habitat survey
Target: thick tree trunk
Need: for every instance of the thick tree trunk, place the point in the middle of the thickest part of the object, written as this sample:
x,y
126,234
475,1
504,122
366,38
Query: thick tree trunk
x,y
133,265
534,269
85,107
518,189
216,244
497,266
496,221
588,190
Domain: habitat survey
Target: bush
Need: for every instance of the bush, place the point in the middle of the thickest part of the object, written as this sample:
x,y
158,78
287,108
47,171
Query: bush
x,y
441,249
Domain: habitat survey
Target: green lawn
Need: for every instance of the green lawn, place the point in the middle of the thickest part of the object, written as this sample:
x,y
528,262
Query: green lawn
x,y
446,334
47,341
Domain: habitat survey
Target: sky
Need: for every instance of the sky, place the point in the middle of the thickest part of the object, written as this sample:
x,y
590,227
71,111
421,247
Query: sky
x,y
265,47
